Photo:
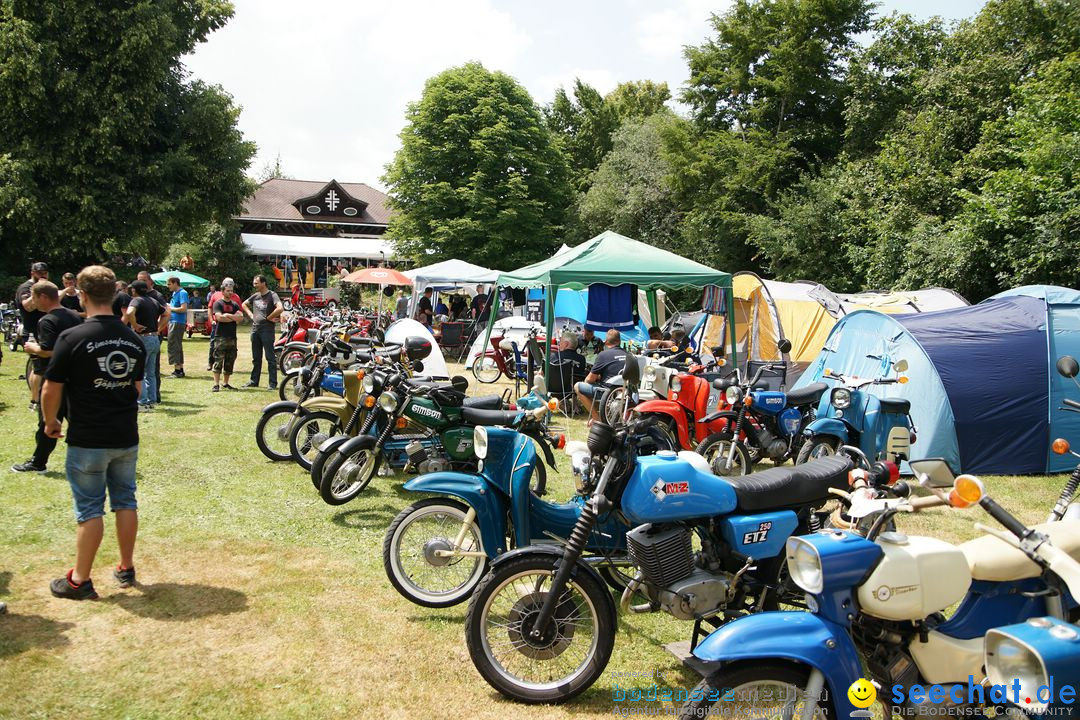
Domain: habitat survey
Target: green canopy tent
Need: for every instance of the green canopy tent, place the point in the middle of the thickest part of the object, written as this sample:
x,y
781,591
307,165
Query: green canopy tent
x,y
187,280
612,259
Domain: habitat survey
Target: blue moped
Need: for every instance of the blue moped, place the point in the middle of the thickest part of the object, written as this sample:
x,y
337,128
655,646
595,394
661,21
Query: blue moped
x,y
878,602
850,415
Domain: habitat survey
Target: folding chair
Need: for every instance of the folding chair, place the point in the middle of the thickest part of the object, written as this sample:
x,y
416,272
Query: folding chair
x,y
774,379
561,386
469,330
453,335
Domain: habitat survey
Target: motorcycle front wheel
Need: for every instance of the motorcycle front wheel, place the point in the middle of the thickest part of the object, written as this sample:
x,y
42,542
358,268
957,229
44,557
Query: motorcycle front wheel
x,y
308,433
716,448
767,690
272,433
560,664
292,360
485,370
817,447
292,388
409,558
345,476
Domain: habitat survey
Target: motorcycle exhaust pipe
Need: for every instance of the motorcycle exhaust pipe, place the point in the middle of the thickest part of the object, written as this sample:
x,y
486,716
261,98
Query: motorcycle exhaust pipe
x,y
628,594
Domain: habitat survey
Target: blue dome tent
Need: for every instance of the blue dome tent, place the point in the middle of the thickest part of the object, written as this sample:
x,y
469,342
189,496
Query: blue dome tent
x,y
983,388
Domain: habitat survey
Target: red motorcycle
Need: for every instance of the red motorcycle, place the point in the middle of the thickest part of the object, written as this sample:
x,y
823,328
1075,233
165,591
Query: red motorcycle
x,y
293,345
691,396
503,358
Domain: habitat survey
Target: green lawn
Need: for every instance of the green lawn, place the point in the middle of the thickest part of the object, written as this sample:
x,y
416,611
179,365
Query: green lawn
x,y
256,599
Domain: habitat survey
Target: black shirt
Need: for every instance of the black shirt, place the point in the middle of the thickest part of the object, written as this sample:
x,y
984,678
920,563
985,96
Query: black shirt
x,y
71,302
425,305
120,303
226,329
29,317
147,312
596,345
49,328
261,306
99,362
609,363
572,357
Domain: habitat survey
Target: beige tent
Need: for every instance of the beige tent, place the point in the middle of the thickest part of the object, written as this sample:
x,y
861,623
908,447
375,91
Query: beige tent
x,y
804,312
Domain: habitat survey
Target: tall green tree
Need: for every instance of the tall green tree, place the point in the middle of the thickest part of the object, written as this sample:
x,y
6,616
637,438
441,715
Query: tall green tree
x,y
111,140
479,176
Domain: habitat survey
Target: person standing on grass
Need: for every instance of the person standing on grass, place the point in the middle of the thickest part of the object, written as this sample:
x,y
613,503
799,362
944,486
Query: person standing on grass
x,y
228,286
264,308
162,329
401,308
122,299
30,316
96,371
69,296
227,315
142,316
56,320
301,270
178,306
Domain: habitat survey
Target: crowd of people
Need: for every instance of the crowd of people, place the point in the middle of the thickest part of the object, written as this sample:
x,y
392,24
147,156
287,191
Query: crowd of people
x,y
456,307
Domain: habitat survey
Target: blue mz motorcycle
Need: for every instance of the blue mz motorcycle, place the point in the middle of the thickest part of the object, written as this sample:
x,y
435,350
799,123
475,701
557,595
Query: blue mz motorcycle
x,y
541,624
878,602
850,415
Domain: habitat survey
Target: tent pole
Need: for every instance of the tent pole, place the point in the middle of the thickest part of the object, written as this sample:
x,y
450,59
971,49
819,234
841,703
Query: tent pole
x,y
650,299
731,322
550,292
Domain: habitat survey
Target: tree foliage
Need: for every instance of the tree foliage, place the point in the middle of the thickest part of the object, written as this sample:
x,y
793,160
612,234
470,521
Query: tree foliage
x,y
106,139
479,175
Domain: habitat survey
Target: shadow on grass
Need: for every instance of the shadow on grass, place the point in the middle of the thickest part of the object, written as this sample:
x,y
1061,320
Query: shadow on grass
x,y
19,633
5,580
363,517
173,601
171,412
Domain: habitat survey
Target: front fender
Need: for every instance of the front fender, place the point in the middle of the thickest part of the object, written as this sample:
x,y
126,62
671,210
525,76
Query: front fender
x,y
279,405
672,410
295,345
332,404
474,491
556,553
802,637
828,426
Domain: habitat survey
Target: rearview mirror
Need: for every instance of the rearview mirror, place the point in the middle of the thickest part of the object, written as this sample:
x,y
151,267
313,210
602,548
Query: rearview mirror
x,y
900,365
784,346
1067,366
936,469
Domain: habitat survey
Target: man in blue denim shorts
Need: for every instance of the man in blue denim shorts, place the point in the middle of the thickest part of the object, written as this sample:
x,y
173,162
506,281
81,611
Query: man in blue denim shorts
x,y
97,370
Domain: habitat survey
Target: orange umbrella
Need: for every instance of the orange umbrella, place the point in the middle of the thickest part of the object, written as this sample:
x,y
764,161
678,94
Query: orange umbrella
x,y
377,276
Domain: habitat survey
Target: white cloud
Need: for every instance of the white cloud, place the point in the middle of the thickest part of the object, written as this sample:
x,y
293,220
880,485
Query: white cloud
x,y
687,23
543,88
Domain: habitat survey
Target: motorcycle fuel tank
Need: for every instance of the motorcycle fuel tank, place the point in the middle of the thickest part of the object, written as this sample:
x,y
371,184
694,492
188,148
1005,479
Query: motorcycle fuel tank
x,y
665,488
770,403
426,412
761,535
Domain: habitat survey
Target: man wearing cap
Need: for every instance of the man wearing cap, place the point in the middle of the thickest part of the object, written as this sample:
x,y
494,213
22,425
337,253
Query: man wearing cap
x,y
30,315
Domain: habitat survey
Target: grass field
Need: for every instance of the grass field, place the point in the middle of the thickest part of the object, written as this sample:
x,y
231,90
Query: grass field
x,y
256,599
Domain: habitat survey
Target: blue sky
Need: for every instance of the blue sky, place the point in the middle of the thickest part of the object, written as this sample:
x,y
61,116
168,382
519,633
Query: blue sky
x,y
324,85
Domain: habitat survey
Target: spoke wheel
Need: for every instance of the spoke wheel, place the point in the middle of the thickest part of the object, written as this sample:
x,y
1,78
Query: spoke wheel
x,y
345,475
272,433
411,562
309,433
717,449
566,658
485,370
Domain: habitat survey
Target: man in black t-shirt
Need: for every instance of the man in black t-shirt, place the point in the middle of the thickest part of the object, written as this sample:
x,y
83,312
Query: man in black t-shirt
x,y
121,300
143,315
424,310
56,320
96,371
30,316
226,313
607,365
69,296
162,330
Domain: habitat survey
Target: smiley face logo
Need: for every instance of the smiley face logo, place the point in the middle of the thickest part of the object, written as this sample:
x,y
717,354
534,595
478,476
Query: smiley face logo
x,y
862,693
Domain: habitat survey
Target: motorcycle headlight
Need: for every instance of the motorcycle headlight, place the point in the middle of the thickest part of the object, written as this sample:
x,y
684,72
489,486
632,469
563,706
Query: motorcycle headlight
x,y
733,394
841,398
480,442
369,384
676,384
1008,661
804,565
388,401
650,373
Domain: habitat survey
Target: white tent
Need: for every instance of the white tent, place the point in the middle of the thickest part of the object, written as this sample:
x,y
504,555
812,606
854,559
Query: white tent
x,y
373,247
446,275
435,363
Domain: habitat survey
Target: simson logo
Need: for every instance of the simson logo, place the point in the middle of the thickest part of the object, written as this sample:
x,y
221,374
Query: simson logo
x,y
426,411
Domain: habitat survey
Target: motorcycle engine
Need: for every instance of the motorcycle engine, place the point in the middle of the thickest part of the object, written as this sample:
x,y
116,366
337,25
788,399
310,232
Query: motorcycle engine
x,y
424,461
665,557
772,446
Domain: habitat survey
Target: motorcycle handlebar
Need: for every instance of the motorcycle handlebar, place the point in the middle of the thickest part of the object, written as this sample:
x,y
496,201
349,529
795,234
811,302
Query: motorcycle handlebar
x,y
929,501
1072,403
1003,516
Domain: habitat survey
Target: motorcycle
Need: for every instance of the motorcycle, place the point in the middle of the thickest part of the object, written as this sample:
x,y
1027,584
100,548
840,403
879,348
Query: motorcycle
x,y
413,424
878,601
12,324
503,358
541,624
849,415
762,424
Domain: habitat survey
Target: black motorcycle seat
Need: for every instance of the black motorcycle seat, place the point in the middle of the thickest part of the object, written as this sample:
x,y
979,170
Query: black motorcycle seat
x,y
784,487
487,402
808,395
476,416
899,406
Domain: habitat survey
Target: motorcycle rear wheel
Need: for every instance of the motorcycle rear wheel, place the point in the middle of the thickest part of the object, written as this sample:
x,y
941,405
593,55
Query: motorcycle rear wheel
x,y
345,476
309,433
291,360
715,449
611,412
409,560
485,370
291,387
818,446
551,669
766,690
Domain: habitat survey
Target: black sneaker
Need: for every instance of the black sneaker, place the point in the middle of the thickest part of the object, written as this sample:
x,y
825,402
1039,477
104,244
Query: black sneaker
x,y
227,386
28,466
33,407
216,388
250,384
62,587
178,373
126,577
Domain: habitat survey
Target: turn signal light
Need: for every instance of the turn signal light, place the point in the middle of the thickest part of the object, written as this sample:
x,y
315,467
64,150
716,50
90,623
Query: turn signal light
x,y
360,374
903,379
561,442
401,423
369,401
1060,446
912,438
553,405
967,491
894,471
828,372
749,400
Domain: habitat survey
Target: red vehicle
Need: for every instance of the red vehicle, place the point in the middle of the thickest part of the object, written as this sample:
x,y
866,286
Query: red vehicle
x,y
692,395
328,298
198,321
502,359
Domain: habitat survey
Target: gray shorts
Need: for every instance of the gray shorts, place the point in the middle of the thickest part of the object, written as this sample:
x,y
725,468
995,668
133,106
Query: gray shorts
x,y
176,343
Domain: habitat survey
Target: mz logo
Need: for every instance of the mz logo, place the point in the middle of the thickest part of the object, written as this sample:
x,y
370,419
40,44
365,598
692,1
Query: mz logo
x,y
758,536
425,411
